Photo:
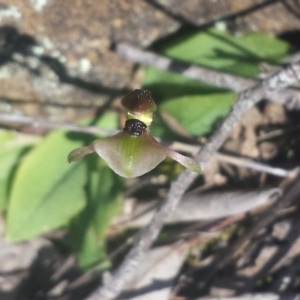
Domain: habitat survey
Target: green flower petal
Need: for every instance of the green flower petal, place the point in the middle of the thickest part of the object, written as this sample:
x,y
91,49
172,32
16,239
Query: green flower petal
x,y
186,161
79,153
131,156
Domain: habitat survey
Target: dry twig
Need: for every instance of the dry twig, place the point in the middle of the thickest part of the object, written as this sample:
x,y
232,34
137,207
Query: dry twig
x,y
40,123
254,165
219,79
289,97
239,161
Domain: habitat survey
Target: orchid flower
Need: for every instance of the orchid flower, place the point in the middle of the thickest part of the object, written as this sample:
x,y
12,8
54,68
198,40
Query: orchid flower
x,y
133,151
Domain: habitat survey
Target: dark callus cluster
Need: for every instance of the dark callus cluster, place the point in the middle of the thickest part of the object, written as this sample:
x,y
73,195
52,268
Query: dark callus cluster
x,y
135,127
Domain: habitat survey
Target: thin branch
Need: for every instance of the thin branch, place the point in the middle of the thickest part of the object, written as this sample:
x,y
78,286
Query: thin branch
x,y
237,161
246,100
254,165
289,97
40,123
201,207
219,79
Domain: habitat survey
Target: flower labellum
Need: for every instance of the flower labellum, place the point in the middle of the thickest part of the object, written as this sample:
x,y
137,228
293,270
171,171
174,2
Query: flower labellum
x,y
133,151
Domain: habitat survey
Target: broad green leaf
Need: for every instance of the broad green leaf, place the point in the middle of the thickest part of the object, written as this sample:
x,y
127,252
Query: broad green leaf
x,y
109,120
12,147
166,85
201,112
87,231
47,191
195,105
223,51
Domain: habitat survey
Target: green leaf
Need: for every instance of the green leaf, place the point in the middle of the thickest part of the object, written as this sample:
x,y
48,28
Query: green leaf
x,y
109,120
197,114
166,85
220,50
87,231
12,148
47,191
197,106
